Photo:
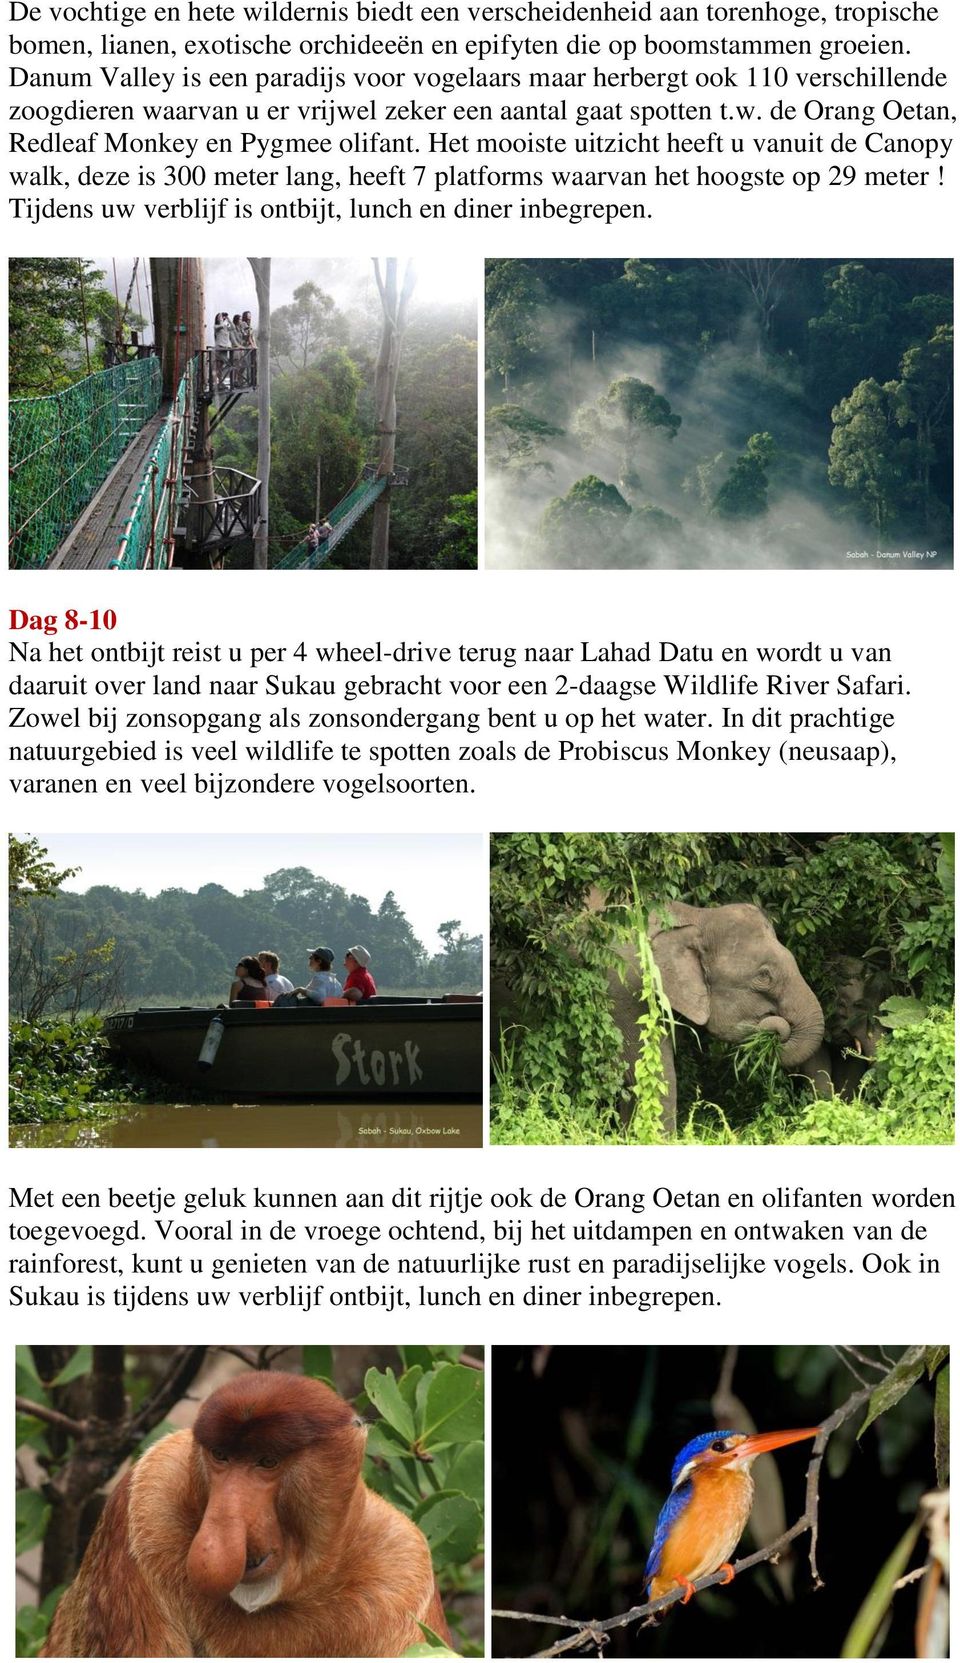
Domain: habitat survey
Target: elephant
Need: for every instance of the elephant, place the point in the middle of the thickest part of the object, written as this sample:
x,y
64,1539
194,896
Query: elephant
x,y
722,969
854,1031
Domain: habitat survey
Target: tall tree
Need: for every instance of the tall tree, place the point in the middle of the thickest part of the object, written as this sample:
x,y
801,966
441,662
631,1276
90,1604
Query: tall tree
x,y
261,539
395,303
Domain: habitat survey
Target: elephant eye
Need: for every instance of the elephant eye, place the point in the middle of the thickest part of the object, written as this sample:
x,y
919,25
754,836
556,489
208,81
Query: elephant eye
x,y
764,976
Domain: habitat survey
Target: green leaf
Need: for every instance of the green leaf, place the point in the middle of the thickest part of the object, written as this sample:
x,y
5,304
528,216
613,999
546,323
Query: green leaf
x,y
895,1385
902,1012
941,1427
384,1393
466,1472
453,1412
80,1363
28,1380
451,1524
318,1362
33,1516
933,1356
428,1355
871,1613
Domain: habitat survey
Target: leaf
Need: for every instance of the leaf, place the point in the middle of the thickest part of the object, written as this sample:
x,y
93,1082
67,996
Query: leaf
x,y
872,1611
384,1393
80,1363
33,1515
428,1355
451,1525
453,1412
933,1356
895,1385
466,1472
941,1427
318,1362
902,1012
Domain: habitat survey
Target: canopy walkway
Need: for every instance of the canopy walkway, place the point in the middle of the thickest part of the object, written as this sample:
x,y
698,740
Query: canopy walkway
x,y
342,518
103,475
100,472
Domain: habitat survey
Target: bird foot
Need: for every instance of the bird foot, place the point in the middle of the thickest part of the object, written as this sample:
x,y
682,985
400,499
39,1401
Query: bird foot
x,y
689,1589
730,1573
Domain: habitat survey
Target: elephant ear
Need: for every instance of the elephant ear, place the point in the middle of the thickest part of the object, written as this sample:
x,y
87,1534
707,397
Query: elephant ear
x,y
678,960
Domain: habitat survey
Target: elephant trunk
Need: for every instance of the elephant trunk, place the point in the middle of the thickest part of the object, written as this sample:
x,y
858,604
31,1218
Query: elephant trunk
x,y
805,1031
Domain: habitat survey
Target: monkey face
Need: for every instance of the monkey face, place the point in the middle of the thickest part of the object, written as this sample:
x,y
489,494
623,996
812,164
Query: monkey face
x,y
240,1548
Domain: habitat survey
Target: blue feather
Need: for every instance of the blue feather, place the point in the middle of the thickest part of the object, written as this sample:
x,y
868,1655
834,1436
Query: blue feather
x,y
696,1446
674,1505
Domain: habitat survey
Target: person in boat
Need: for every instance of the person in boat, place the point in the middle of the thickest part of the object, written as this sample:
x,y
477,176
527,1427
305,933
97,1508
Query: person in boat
x,y
358,983
323,984
275,983
248,986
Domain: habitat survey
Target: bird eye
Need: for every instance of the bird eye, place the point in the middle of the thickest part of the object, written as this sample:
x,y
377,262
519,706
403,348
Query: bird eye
x,y
719,1445
268,1461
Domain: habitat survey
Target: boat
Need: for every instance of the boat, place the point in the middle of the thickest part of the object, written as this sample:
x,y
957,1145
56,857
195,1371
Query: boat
x,y
385,1048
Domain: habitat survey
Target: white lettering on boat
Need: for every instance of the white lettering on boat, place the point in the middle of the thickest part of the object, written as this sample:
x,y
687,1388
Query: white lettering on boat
x,y
379,1068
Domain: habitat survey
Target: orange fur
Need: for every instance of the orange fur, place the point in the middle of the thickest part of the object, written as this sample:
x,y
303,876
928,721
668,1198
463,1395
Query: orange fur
x,y
267,1486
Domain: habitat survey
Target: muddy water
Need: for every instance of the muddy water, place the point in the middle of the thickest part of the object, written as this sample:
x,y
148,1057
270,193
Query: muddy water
x,y
266,1126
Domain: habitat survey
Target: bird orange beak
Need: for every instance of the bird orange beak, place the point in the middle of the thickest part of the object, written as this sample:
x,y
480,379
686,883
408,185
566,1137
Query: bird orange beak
x,y
759,1443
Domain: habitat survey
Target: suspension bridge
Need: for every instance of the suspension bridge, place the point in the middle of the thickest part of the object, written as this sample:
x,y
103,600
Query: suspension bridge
x,y
103,475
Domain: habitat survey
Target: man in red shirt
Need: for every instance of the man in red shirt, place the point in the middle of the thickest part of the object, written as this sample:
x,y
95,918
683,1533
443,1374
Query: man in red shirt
x,y
358,983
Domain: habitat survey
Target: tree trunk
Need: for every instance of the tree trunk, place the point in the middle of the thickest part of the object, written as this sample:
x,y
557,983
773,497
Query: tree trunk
x,y
395,307
261,540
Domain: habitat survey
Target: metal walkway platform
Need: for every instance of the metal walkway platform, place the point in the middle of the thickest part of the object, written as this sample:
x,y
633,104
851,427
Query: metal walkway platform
x,y
94,539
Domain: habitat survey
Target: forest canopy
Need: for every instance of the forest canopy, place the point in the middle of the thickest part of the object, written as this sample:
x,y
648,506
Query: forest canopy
x,y
743,412
107,947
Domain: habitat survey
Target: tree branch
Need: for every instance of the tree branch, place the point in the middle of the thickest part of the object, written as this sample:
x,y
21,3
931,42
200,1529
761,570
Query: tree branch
x,y
53,1417
592,1633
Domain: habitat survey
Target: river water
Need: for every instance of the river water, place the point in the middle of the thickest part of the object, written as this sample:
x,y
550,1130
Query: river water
x,y
266,1126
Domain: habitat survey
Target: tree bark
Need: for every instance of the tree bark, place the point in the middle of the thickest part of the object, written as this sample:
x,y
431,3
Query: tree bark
x,y
395,304
261,540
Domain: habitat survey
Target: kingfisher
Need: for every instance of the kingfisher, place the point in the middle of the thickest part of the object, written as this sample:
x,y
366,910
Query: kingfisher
x,y
706,1512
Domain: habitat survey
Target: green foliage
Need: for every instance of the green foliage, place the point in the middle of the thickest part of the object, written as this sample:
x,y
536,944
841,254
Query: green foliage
x,y
47,306
30,873
914,1073
459,551
870,897
591,511
425,1455
61,1070
743,493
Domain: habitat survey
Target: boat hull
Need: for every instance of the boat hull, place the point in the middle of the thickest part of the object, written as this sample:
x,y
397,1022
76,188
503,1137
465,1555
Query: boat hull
x,y
399,1051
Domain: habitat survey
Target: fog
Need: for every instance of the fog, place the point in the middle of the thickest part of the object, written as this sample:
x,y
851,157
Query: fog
x,y
722,396
229,285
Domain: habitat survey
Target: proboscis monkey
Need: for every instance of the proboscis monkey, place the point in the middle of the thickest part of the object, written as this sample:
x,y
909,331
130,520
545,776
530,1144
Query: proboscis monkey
x,y
254,1535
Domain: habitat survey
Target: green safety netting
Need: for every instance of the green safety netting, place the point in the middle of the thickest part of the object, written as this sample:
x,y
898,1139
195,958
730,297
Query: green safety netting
x,y
63,446
153,515
343,518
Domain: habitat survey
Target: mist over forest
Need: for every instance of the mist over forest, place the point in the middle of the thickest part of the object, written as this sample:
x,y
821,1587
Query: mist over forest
x,y
751,413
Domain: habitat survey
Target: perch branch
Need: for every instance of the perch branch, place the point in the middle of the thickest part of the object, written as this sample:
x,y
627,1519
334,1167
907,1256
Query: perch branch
x,y
594,1632
185,1365
53,1417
